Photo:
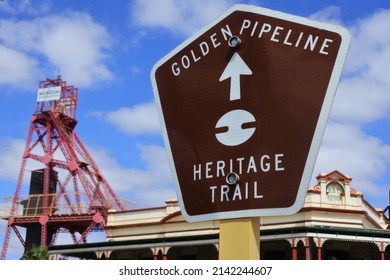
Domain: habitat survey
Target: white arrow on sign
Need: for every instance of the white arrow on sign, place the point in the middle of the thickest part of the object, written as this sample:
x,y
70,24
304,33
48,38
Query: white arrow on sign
x,y
235,68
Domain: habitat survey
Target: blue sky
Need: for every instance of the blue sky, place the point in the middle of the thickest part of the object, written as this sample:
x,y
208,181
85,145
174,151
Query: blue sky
x,y
108,48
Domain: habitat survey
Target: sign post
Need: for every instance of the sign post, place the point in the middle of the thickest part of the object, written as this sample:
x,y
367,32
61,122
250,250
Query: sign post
x,y
239,239
243,106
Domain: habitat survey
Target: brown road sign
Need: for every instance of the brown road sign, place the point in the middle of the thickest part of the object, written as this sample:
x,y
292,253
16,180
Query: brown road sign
x,y
243,105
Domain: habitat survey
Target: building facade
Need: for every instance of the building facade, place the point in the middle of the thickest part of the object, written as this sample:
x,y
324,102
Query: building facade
x,y
335,222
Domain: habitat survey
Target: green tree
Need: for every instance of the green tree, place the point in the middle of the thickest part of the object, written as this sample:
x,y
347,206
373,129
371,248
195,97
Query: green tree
x,y
35,253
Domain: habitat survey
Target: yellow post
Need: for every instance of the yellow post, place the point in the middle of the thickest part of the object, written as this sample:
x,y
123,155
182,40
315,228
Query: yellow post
x,y
239,239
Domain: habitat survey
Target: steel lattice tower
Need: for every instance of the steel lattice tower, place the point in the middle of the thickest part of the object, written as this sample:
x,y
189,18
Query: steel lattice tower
x,y
73,195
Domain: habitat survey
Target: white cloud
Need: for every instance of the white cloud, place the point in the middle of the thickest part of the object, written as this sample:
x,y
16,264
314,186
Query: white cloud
x,y
366,85
147,186
348,149
11,155
178,17
17,68
11,158
362,98
25,7
370,45
140,119
331,14
71,42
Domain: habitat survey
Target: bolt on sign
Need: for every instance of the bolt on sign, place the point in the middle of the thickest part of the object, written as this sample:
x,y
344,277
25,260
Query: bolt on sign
x,y
243,106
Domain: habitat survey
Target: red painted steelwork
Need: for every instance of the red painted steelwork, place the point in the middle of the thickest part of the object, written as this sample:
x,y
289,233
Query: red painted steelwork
x,y
80,188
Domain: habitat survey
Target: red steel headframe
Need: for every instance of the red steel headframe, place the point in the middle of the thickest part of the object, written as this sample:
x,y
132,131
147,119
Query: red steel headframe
x,y
82,191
